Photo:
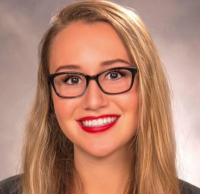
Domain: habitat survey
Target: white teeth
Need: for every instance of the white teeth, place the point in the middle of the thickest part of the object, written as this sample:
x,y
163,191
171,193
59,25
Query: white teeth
x,y
99,122
94,122
109,119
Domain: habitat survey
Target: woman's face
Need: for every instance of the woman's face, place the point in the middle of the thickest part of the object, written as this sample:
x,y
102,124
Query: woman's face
x,y
86,47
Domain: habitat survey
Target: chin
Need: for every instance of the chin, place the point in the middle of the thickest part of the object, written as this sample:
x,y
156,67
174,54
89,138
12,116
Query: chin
x,y
100,151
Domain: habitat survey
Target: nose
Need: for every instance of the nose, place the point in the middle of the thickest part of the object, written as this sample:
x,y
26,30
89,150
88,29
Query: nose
x,y
94,98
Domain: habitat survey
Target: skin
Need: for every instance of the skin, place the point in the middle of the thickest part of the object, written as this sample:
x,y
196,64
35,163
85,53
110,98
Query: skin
x,y
102,159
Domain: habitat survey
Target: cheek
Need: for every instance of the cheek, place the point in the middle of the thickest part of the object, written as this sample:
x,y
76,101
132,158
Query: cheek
x,y
131,109
64,108
133,97
129,105
59,106
129,102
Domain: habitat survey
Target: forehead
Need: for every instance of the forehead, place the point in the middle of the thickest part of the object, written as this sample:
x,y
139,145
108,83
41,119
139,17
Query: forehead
x,y
86,45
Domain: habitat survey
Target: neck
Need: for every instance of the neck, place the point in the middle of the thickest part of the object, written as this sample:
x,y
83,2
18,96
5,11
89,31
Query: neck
x,y
108,175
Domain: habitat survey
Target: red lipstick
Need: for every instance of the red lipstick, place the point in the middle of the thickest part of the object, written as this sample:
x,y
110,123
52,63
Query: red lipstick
x,y
96,129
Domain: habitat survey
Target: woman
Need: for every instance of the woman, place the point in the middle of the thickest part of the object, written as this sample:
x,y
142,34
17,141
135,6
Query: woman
x,y
101,120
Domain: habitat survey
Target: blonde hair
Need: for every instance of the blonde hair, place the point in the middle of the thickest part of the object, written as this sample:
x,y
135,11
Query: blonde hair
x,y
48,154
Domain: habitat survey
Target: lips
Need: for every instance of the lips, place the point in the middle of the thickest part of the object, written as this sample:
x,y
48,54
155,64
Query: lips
x,y
92,124
93,117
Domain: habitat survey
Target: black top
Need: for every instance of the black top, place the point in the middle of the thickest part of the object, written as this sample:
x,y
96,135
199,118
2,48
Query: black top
x,y
12,186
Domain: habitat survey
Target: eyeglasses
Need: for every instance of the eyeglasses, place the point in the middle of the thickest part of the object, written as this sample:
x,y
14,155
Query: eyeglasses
x,y
112,81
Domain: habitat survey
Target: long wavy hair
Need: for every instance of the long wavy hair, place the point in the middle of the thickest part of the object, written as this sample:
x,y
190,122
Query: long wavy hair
x,y
48,155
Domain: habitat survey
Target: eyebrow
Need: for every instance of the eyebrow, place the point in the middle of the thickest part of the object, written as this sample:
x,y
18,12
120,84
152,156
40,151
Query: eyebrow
x,y
104,63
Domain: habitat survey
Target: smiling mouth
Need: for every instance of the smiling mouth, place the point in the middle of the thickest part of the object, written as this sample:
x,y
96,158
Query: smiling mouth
x,y
98,124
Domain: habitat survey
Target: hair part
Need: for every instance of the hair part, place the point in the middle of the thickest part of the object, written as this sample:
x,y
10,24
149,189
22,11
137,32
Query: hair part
x,y
48,154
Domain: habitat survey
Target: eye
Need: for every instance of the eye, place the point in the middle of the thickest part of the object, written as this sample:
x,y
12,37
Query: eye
x,y
72,80
116,74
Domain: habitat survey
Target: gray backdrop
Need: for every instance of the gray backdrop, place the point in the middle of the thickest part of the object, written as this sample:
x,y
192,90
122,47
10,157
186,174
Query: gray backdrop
x,y
175,28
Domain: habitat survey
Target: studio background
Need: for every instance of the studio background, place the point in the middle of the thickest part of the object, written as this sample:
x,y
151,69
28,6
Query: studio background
x,y
175,29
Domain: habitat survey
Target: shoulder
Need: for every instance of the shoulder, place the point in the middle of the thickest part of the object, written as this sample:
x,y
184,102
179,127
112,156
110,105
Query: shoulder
x,y
11,185
187,188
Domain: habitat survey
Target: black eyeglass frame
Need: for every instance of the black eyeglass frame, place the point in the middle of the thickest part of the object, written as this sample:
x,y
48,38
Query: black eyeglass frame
x,y
95,77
